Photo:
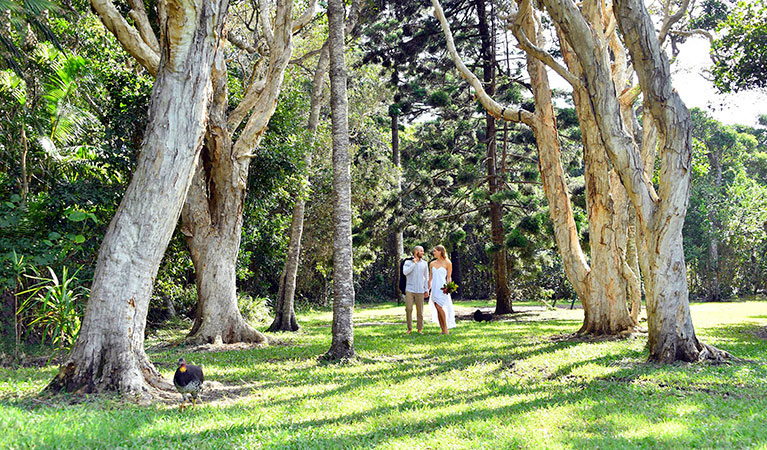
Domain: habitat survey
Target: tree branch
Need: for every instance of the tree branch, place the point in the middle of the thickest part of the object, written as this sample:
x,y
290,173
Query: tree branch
x,y
668,21
698,31
266,24
306,17
138,14
492,107
237,41
523,42
128,36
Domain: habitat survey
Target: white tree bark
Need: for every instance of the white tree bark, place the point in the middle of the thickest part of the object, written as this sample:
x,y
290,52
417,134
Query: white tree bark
x,y
606,310
213,211
671,334
109,352
602,291
342,345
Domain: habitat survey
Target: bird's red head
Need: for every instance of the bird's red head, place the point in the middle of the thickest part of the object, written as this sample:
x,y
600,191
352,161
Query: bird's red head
x,y
182,365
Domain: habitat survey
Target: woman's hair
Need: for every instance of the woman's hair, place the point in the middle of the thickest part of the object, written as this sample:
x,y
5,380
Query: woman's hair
x,y
442,251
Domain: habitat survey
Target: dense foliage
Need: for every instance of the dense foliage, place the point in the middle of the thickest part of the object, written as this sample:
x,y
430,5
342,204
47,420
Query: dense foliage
x,y
74,104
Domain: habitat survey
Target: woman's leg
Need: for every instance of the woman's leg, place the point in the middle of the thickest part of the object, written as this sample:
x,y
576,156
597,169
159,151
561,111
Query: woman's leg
x,y
442,319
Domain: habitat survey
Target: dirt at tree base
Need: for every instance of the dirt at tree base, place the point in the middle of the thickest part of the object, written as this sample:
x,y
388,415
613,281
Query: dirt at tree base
x,y
760,333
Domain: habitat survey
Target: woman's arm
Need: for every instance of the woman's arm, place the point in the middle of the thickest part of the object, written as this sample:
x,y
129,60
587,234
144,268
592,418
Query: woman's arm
x,y
449,272
430,265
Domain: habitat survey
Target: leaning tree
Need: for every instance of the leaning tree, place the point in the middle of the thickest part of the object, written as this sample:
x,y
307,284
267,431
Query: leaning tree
x,y
109,352
212,214
586,31
601,286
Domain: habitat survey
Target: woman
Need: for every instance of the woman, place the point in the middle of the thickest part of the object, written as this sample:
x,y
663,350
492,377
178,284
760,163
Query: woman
x,y
440,304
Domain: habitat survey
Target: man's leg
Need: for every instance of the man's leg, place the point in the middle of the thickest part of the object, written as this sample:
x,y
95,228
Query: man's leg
x,y
419,312
409,296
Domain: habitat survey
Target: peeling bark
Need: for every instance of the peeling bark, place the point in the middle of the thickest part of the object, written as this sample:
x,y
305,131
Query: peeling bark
x,y
212,215
109,352
671,333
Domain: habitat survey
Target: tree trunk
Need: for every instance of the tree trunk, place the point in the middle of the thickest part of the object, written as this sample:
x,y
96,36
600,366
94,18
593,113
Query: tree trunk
x,y
552,172
503,304
213,212
285,315
456,258
605,309
24,152
109,352
342,345
396,240
671,334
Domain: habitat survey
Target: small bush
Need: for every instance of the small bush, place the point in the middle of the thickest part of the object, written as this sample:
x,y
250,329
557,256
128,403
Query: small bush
x,y
255,310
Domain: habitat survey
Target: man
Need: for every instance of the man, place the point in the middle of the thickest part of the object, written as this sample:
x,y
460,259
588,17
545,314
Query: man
x,y
416,289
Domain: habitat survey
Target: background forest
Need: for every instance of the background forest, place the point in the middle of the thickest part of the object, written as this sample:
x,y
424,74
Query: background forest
x,y
428,166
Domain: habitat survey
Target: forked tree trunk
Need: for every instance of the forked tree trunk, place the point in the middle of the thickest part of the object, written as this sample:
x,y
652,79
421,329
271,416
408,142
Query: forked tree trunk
x,y
212,221
342,345
285,314
603,294
109,352
606,309
671,334
213,211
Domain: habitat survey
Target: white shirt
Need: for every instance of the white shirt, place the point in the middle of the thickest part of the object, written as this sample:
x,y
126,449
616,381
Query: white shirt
x,y
417,274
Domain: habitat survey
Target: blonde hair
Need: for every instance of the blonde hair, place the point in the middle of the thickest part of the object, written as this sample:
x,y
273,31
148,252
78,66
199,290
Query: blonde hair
x,y
442,251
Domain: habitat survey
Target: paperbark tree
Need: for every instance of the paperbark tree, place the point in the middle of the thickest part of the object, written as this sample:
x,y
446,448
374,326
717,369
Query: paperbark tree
x,y
342,345
109,352
671,333
212,215
603,293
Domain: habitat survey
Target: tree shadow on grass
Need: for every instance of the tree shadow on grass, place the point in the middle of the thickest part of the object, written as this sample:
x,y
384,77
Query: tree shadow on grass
x,y
610,414
633,391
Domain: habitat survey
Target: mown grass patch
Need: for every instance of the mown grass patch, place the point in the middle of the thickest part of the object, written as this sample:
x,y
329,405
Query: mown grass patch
x,y
503,384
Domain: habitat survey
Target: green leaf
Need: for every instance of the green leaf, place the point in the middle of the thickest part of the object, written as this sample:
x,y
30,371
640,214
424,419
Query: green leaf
x,y
15,198
79,239
53,235
78,216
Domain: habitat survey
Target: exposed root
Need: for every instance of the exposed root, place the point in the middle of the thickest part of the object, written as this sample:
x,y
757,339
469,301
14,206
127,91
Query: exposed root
x,y
579,336
713,355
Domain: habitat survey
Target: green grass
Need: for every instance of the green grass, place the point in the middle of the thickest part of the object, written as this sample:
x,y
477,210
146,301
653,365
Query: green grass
x,y
491,385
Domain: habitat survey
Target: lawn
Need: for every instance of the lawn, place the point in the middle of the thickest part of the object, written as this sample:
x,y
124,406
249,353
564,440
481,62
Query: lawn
x,y
504,384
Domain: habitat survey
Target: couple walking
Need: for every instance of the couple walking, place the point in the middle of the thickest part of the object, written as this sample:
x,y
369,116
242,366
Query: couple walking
x,y
438,273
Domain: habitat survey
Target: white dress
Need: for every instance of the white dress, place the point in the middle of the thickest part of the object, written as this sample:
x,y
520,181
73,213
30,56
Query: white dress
x,y
438,279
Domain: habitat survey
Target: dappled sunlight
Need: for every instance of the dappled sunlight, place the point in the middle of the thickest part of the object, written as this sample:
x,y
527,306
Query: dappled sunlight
x,y
501,384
